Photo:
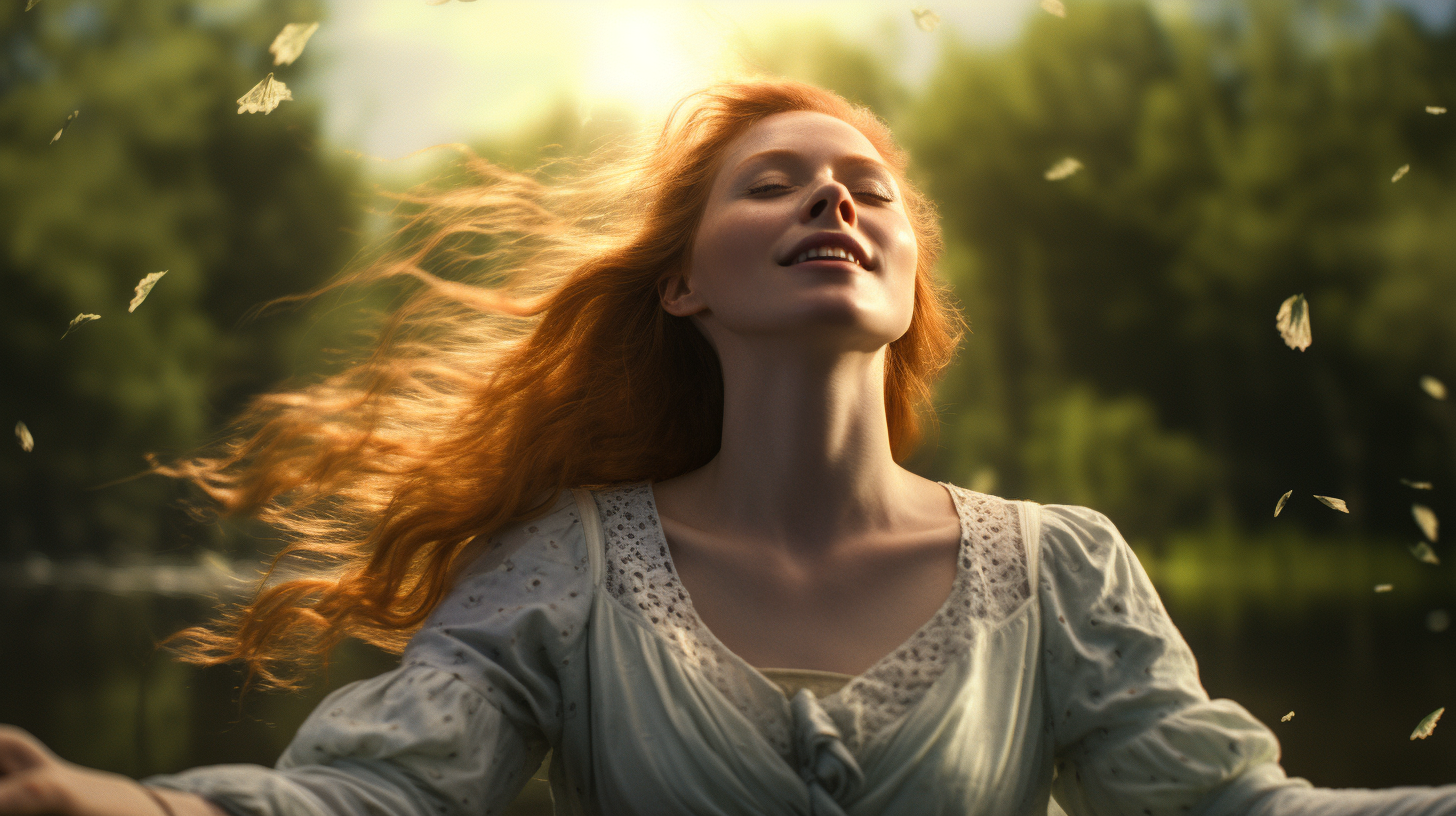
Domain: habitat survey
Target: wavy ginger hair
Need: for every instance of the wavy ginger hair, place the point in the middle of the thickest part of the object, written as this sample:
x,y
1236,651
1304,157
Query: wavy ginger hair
x,y
549,364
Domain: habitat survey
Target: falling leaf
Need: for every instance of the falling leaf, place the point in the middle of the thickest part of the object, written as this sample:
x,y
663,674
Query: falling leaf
x,y
1384,587
1280,505
144,288
1293,322
1416,485
1426,519
1333,503
1434,387
1428,724
290,42
1400,173
1063,169
1054,7
69,119
27,442
1435,110
1423,552
1287,717
264,97
78,320
925,18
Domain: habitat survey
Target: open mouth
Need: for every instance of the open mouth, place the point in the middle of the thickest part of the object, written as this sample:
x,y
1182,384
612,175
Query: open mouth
x,y
825,254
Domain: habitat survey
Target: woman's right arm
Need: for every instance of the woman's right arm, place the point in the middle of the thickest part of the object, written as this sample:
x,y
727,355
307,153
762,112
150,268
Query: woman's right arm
x,y
33,780
456,730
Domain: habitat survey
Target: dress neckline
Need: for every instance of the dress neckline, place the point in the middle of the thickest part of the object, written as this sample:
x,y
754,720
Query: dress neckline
x,y
959,585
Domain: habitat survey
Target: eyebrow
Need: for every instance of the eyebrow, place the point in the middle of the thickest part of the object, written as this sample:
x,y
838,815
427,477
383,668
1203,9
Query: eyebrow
x,y
788,153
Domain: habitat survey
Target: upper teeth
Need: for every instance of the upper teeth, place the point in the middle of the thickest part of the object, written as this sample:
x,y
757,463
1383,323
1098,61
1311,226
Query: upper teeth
x,y
825,252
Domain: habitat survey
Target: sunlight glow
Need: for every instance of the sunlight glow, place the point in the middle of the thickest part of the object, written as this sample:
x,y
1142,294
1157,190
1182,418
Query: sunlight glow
x,y
645,59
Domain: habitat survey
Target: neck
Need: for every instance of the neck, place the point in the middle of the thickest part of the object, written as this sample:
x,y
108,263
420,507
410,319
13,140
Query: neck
x,y
805,458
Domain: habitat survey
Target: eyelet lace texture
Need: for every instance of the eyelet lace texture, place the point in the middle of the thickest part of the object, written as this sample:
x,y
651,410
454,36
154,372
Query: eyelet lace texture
x,y
991,583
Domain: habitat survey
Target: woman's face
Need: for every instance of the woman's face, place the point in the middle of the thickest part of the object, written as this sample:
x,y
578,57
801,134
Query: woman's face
x,y
804,233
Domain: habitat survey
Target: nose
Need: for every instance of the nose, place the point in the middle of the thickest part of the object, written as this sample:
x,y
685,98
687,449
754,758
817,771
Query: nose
x,y
831,198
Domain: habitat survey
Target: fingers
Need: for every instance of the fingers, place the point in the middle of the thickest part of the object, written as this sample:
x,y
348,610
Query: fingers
x,y
31,793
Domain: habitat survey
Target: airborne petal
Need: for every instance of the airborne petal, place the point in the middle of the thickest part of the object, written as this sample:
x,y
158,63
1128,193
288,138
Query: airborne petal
x,y
1293,322
22,433
290,42
264,97
1426,520
143,288
78,320
1280,505
1428,725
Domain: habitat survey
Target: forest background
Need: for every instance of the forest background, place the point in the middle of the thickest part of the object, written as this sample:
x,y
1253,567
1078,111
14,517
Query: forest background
x,y
1123,352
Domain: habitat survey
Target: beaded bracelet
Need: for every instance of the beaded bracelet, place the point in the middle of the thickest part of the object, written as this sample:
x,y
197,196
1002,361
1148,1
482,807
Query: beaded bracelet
x,y
161,803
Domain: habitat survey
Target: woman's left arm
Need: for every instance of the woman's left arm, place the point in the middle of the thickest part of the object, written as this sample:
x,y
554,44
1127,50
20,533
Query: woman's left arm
x,y
1135,731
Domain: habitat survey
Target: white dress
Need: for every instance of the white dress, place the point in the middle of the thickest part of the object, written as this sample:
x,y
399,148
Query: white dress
x,y
1051,668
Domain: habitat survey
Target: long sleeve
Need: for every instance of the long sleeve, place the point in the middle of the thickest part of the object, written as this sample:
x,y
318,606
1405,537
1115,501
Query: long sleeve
x,y
1135,732
459,727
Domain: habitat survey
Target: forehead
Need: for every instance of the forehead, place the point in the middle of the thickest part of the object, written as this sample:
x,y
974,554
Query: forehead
x,y
809,133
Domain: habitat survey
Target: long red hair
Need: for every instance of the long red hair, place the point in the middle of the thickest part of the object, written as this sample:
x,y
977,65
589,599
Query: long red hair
x,y
536,357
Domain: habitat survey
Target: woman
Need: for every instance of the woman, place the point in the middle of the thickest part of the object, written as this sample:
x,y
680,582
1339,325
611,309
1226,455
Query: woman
x,y
744,605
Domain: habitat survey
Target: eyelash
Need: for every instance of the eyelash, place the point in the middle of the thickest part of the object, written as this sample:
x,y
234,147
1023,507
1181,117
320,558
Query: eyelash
x,y
771,186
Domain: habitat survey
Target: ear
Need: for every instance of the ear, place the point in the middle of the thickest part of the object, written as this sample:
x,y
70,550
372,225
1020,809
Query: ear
x,y
677,296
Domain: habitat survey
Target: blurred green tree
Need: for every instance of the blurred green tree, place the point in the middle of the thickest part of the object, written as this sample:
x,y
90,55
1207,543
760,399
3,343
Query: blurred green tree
x,y
158,171
1232,158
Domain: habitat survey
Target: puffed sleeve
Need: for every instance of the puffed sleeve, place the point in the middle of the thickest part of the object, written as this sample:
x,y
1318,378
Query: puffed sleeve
x,y
460,726
1135,731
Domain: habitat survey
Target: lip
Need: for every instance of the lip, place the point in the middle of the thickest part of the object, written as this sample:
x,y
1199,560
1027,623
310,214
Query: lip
x,y
832,239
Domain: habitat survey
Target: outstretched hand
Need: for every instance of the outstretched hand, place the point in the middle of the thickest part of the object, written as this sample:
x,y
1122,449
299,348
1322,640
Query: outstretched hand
x,y
35,781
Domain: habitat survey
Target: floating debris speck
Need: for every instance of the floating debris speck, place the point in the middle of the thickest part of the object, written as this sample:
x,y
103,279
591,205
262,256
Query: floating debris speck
x,y
1438,621
1333,503
1054,7
1384,587
69,119
1400,173
925,18
22,434
1417,485
1423,552
1063,169
1435,110
1287,717
1434,387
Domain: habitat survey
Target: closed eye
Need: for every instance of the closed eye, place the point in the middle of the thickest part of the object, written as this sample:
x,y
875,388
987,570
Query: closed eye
x,y
764,188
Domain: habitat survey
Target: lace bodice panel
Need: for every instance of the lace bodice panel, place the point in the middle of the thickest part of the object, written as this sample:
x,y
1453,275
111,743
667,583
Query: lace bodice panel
x,y
991,583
